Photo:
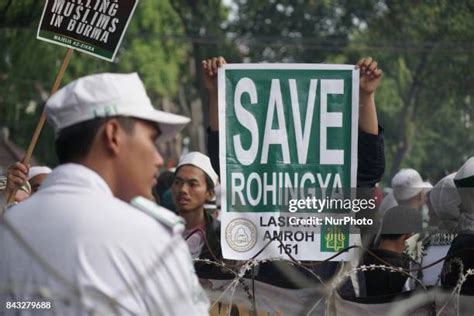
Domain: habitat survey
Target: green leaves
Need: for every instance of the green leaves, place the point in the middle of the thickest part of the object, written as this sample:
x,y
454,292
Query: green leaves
x,y
424,48
28,66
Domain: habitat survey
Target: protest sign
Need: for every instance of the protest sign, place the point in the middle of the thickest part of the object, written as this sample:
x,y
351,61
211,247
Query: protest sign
x,y
288,152
94,27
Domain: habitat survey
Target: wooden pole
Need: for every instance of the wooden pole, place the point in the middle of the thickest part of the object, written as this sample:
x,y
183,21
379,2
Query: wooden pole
x,y
42,119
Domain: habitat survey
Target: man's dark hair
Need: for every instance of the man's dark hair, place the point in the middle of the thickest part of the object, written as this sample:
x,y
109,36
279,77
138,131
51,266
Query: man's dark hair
x,y
74,142
390,236
163,183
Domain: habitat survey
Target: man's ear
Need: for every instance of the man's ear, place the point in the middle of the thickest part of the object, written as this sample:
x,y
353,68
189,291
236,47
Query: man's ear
x,y
112,136
422,197
210,194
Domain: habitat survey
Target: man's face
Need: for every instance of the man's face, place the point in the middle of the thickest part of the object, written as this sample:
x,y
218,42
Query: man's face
x,y
139,161
189,189
421,199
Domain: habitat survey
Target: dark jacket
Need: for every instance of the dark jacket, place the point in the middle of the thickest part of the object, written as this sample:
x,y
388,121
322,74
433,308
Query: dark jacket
x,y
376,281
462,248
212,248
384,282
212,251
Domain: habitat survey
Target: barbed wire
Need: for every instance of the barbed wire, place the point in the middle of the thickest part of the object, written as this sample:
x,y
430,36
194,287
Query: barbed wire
x,y
326,289
335,283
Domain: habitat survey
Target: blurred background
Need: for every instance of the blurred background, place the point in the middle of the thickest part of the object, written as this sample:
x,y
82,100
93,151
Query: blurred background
x,y
425,49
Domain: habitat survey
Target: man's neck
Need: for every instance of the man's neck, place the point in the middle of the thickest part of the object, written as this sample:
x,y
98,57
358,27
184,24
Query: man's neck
x,y
105,169
194,218
393,245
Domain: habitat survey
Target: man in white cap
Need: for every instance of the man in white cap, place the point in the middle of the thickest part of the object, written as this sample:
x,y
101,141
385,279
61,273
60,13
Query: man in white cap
x,y
22,192
87,239
444,203
408,189
19,176
16,181
36,176
464,181
193,186
462,246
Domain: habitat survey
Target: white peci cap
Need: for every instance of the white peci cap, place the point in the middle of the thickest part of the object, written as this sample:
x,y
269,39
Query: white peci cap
x,y
406,184
108,95
465,176
445,202
34,171
200,161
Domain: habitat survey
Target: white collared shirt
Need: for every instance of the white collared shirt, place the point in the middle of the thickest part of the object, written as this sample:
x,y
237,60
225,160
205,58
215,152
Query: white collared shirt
x,y
118,259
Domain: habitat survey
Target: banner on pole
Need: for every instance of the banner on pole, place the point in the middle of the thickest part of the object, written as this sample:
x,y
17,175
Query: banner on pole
x,y
288,152
95,27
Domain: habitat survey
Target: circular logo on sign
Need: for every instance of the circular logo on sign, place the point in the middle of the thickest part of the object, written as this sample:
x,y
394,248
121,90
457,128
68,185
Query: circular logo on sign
x,y
241,235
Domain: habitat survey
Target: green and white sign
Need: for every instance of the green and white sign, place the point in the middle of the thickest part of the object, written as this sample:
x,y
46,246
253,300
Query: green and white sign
x,y
94,27
288,152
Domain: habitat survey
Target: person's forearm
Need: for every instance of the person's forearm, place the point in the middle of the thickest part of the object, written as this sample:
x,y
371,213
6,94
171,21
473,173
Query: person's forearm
x,y
213,112
368,114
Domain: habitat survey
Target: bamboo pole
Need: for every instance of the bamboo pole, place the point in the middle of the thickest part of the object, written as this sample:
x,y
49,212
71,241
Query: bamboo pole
x,y
42,119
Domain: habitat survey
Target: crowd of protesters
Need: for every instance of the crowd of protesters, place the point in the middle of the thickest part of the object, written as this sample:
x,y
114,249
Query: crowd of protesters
x,y
91,238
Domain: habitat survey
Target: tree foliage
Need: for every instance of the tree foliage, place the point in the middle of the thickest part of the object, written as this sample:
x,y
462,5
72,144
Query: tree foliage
x,y
425,101
297,31
426,52
28,66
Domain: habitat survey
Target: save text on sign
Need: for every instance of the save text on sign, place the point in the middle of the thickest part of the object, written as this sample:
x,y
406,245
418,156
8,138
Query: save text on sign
x,y
279,136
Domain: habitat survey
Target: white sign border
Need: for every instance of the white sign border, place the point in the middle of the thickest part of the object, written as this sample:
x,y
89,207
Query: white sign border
x,y
278,66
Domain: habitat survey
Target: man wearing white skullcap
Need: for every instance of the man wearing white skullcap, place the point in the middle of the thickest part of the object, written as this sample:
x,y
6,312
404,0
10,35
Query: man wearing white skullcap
x,y
100,245
409,188
25,182
22,192
444,203
36,176
464,181
462,246
194,184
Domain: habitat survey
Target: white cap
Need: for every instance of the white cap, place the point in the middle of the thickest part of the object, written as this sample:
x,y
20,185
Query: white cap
x,y
465,175
200,161
445,201
427,186
107,95
34,171
406,184
464,181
